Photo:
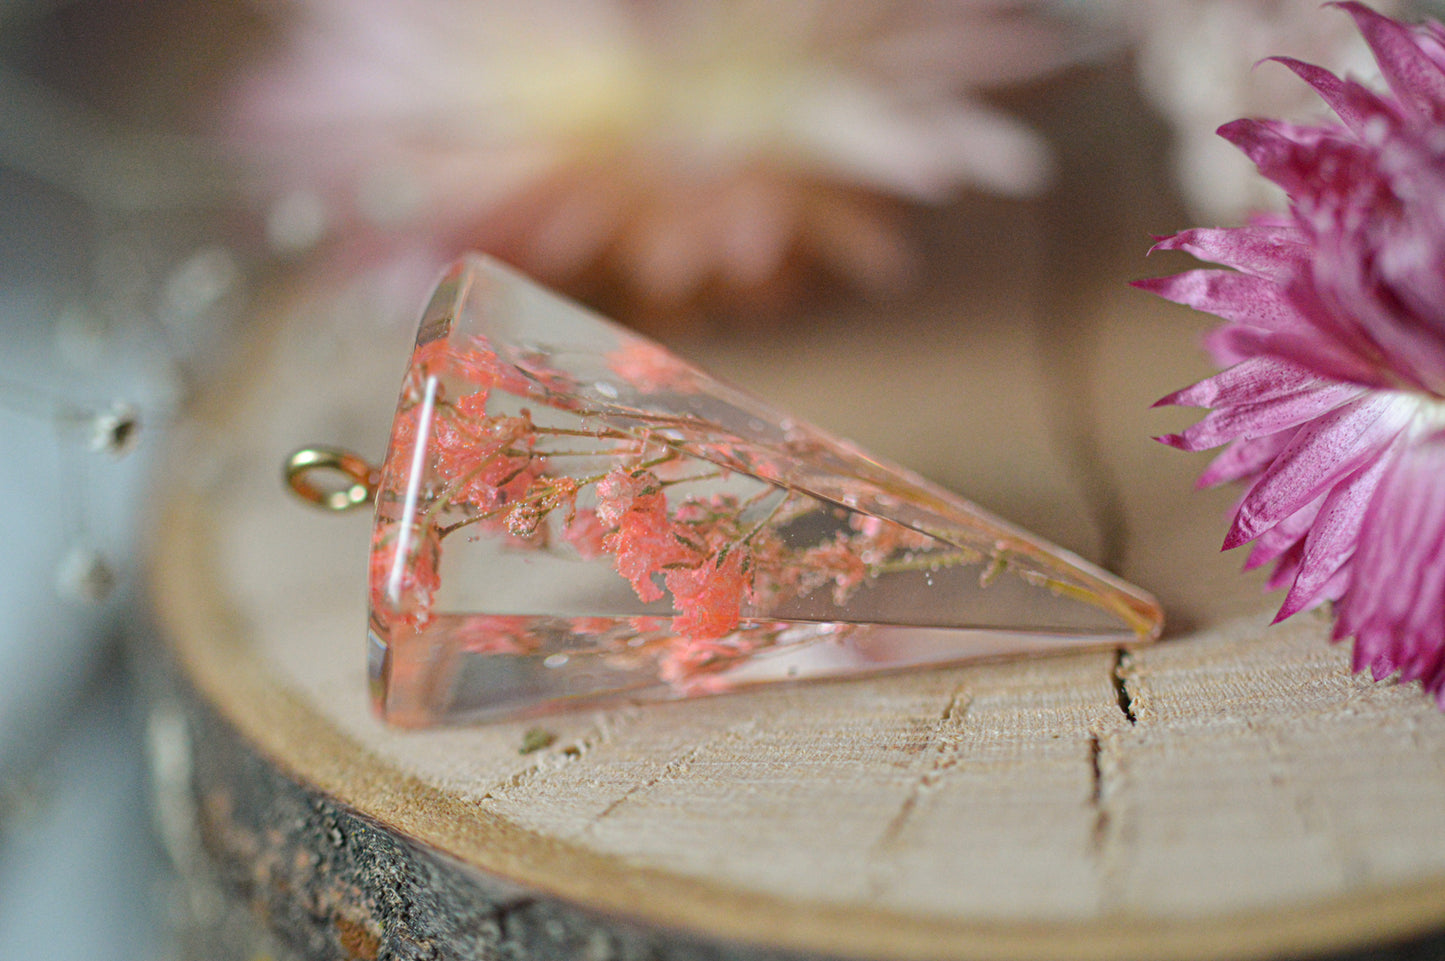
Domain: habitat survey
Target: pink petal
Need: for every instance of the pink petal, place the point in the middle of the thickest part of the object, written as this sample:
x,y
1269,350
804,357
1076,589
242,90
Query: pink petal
x,y
1287,568
1335,588
1413,77
1423,661
1278,150
1433,678
1320,454
1262,419
1278,541
1244,458
1398,587
1252,380
1269,251
1313,350
1229,294
1373,652
1261,142
1354,104
1365,316
1332,537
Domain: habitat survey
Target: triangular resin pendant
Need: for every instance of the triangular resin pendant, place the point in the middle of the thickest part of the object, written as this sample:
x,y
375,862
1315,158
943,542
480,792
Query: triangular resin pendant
x,y
569,514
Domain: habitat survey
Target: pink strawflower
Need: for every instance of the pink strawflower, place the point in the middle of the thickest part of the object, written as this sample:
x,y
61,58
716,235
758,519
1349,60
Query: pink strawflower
x,y
1333,408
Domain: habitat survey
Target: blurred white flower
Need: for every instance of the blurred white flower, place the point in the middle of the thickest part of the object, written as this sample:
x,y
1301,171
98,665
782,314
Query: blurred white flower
x,y
678,146
1199,62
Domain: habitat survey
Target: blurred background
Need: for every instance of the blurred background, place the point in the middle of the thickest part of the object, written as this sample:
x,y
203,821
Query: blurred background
x,y
730,177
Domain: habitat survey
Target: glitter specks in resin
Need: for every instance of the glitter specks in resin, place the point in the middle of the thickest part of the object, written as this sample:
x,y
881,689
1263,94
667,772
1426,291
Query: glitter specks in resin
x,y
569,514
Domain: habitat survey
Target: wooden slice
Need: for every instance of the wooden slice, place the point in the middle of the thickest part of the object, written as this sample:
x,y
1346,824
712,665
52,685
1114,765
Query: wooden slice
x,y
1232,791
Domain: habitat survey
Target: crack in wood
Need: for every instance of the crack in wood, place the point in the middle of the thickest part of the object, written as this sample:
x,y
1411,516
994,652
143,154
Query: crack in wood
x,y
951,706
1103,817
953,714
1121,685
1102,832
669,769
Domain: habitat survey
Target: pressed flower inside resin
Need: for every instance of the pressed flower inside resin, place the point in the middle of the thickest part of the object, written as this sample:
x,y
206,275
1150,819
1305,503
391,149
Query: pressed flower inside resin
x,y
569,514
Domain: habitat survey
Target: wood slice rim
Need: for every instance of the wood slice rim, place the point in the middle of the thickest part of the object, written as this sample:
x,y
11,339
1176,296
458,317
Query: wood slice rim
x,y
207,640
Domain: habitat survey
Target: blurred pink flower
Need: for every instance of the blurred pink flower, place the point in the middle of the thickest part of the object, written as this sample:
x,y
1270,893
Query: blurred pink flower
x,y
677,144
1334,406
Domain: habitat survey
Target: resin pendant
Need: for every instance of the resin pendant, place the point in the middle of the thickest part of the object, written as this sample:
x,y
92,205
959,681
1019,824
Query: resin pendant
x,y
569,514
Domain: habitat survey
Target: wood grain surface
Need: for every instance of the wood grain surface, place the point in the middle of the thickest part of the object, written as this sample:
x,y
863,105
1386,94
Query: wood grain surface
x,y
1232,791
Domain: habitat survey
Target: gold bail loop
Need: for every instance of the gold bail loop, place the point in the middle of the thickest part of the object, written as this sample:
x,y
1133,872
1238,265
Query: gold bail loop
x,y
359,477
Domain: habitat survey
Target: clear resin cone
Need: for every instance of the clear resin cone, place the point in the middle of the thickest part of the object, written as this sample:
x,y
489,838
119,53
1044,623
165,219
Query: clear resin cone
x,y
570,515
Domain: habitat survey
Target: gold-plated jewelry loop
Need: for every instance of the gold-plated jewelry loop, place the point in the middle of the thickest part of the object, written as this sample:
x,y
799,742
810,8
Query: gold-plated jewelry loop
x,y
303,467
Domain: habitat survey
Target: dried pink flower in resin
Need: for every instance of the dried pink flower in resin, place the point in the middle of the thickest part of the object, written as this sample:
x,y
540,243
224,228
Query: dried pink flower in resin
x,y
569,514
